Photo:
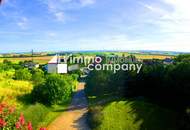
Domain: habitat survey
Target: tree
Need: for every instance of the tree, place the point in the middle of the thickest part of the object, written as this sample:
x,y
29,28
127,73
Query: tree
x,y
55,90
183,58
97,83
7,62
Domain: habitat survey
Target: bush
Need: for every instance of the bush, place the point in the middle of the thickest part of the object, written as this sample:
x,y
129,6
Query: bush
x,y
23,74
9,119
56,89
38,77
40,114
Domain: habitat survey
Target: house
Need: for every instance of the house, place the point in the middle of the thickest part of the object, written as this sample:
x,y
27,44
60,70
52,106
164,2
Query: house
x,y
30,64
168,61
56,65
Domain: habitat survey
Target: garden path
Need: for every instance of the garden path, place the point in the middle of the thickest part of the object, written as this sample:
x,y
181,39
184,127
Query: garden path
x,y
74,118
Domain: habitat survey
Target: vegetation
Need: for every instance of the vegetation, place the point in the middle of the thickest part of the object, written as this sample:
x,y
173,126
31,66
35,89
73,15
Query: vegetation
x,y
38,59
156,98
17,86
38,76
43,59
43,114
56,89
131,115
166,86
9,119
23,74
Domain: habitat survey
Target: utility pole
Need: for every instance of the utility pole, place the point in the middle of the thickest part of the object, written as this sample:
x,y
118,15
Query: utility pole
x,y
32,55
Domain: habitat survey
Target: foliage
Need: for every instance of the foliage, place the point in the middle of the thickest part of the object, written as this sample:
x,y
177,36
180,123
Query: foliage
x,y
183,58
7,116
97,83
23,74
56,89
11,89
9,119
40,114
165,85
38,76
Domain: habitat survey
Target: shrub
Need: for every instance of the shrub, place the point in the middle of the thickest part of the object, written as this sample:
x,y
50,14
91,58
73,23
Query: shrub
x,y
7,62
56,89
38,76
23,74
40,114
7,116
9,119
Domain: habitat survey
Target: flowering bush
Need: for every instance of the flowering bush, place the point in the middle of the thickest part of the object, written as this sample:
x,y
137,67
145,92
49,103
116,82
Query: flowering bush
x,y
7,116
10,120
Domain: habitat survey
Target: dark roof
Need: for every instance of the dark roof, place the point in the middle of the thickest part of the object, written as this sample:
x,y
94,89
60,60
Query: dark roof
x,y
168,60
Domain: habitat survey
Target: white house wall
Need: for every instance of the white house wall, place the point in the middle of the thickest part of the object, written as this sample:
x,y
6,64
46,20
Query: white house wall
x,y
62,68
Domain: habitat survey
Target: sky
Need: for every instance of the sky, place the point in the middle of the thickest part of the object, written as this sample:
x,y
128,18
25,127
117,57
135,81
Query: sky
x,y
74,25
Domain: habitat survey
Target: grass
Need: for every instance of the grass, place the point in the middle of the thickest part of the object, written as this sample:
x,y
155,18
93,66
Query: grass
x,y
11,92
131,115
10,89
41,115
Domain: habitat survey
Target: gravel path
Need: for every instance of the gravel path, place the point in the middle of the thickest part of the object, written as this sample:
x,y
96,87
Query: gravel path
x,y
74,118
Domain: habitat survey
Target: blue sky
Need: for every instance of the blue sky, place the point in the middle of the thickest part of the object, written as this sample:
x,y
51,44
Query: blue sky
x,y
65,25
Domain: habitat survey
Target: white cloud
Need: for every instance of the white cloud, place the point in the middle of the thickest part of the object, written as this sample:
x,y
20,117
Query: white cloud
x,y
59,7
23,23
60,16
87,2
51,34
174,23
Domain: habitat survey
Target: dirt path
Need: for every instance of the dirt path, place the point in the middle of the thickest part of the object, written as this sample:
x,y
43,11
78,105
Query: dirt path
x,y
75,117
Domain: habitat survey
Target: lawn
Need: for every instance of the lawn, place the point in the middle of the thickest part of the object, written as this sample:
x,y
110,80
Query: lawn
x,y
41,115
131,115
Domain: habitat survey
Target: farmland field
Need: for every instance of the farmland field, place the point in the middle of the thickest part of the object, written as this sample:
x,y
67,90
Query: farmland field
x,y
45,59
146,56
40,60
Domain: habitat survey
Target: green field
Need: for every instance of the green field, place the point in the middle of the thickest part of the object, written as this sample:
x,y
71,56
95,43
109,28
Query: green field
x,y
45,59
40,60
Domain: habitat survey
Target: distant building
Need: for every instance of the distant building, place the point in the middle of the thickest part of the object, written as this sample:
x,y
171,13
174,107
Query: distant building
x,y
151,61
168,61
56,65
30,64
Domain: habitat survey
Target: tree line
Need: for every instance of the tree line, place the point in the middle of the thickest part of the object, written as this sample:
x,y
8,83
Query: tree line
x,y
158,83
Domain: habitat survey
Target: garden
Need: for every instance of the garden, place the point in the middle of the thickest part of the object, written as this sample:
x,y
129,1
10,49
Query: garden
x,y
30,99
